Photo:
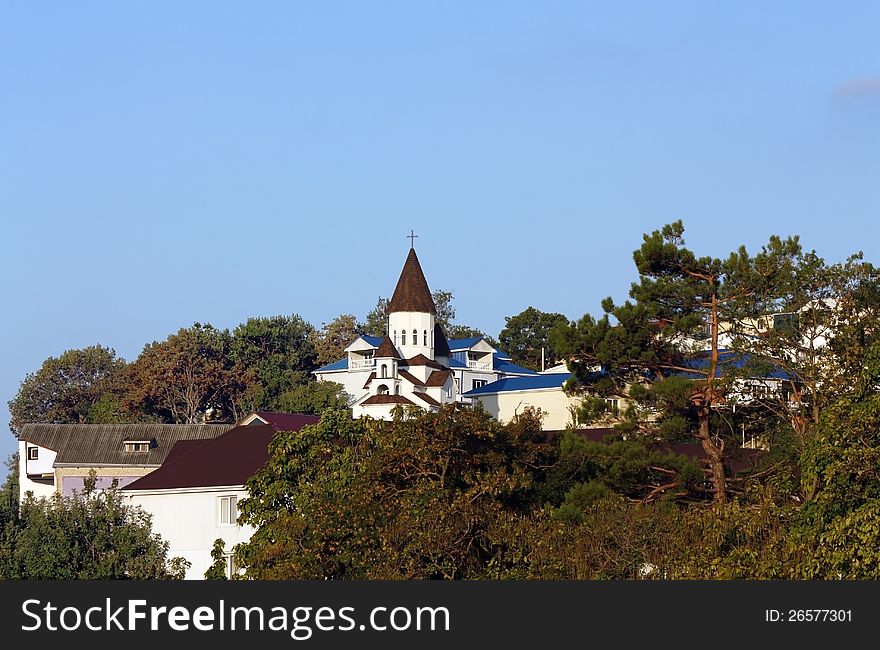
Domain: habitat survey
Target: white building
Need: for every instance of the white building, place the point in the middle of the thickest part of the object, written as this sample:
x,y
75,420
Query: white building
x,y
414,364
506,398
59,457
193,497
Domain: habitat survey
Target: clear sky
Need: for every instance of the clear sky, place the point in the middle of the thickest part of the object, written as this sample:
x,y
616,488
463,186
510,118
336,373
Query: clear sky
x,y
163,163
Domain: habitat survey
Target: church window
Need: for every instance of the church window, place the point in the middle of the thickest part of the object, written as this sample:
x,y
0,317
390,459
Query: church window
x,y
395,337
384,371
425,338
403,337
397,390
382,390
415,337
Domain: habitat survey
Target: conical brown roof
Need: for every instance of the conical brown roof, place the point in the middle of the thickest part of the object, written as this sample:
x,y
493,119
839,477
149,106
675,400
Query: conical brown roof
x,y
387,349
412,292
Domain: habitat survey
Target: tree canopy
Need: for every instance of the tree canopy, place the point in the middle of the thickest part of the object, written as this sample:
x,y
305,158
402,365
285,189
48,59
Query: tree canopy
x,y
526,338
67,389
88,536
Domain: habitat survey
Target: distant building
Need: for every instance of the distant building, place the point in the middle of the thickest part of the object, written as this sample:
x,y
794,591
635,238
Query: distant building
x,y
59,457
193,497
413,364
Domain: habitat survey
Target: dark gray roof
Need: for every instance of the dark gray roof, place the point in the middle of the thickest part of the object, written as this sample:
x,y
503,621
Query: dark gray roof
x,y
104,444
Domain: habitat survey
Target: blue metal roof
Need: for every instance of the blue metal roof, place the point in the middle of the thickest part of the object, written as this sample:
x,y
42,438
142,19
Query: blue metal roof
x,y
464,344
726,359
455,363
375,341
503,365
342,364
502,355
535,382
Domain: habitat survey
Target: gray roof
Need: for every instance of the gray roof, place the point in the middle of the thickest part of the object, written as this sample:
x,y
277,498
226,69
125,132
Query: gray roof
x,y
104,444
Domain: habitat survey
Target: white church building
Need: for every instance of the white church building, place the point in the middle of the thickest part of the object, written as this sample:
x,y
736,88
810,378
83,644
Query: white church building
x,y
414,364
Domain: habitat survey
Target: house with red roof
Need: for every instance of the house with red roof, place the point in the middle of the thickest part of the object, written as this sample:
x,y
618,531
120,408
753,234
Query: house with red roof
x,y
193,496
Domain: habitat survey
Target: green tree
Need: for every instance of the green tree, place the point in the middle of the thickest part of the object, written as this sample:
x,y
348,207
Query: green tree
x,y
270,356
185,377
9,516
313,397
836,533
333,337
92,536
815,326
526,337
428,495
217,570
663,350
66,388
376,322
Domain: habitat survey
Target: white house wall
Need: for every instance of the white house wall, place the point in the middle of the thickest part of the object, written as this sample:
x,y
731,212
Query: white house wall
x,y
189,520
553,402
43,465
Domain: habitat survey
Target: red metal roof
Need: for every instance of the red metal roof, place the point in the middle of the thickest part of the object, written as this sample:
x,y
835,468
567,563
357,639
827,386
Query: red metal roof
x,y
286,421
230,459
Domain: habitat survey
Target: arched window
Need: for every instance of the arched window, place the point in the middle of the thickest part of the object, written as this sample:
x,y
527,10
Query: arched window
x,y
425,338
397,390
395,337
382,390
403,337
384,371
415,337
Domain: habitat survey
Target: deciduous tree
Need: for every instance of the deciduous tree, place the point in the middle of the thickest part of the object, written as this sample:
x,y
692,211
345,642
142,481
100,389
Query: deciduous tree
x,y
66,388
526,337
181,378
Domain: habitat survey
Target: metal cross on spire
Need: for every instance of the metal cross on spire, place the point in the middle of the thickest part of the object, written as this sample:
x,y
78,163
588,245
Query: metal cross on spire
x,y
412,238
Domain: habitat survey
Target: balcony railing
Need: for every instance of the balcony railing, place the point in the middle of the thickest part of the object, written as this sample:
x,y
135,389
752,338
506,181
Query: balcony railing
x,y
479,365
358,364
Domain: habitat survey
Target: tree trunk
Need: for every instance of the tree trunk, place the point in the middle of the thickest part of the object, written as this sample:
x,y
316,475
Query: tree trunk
x,y
715,455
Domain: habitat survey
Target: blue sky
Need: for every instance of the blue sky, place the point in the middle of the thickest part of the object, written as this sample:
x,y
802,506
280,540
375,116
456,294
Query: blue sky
x,y
164,163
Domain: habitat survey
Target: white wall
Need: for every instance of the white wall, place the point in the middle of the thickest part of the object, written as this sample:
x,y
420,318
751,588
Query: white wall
x,y
189,519
43,465
408,321
553,401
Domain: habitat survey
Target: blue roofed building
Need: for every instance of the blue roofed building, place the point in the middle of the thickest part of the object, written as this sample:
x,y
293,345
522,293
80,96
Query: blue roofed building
x,y
414,364
507,397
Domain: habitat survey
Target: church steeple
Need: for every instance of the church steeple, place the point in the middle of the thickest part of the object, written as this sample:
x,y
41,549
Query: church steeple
x,y
412,292
412,313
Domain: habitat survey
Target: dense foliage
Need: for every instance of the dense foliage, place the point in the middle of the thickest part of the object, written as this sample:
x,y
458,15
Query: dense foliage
x,y
91,536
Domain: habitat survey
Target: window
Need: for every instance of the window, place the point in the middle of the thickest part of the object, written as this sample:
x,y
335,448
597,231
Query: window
x,y
137,445
415,337
479,383
403,337
395,337
397,390
382,390
228,511
231,568
384,371
425,337
33,453
612,404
